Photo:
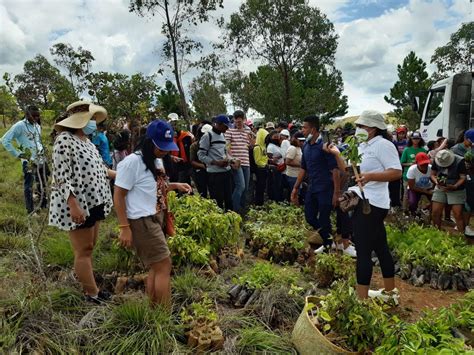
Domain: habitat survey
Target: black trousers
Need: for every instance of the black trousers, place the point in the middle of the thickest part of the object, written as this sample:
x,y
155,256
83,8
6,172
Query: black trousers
x,y
260,185
220,189
343,224
200,179
395,189
370,235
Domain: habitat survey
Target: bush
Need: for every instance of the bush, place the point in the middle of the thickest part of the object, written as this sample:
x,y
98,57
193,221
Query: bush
x,y
202,229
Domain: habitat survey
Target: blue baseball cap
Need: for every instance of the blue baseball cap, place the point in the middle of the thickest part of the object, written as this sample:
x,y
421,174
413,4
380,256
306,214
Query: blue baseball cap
x,y
470,135
161,133
223,119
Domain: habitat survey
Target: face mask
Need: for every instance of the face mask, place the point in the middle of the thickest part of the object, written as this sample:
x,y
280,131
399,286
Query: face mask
x,y
90,128
361,134
276,141
310,136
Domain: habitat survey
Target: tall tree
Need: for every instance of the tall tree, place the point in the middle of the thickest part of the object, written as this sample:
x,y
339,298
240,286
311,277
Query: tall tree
x,y
266,89
124,96
319,89
168,100
413,80
180,18
206,96
41,84
457,55
237,85
76,63
8,106
286,34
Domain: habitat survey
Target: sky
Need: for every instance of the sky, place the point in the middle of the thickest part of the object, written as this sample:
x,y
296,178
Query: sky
x,y
374,37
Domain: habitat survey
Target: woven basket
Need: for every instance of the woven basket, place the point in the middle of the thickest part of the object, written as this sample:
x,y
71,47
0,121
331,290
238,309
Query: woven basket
x,y
307,338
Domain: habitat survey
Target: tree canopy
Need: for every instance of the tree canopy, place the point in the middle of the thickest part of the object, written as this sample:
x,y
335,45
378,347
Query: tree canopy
x,y
287,35
455,56
413,81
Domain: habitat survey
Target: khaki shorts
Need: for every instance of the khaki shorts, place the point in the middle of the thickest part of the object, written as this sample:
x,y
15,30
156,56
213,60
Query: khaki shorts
x,y
149,240
451,198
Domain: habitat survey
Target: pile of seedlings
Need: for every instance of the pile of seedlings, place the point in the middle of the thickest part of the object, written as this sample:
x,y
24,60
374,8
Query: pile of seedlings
x,y
202,230
366,326
332,267
201,326
430,256
279,232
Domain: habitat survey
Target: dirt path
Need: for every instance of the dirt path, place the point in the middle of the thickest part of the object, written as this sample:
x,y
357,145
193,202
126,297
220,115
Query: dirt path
x,y
414,300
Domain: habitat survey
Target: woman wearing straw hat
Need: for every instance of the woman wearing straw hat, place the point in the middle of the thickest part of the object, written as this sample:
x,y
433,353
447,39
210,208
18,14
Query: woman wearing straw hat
x,y
449,175
379,165
80,196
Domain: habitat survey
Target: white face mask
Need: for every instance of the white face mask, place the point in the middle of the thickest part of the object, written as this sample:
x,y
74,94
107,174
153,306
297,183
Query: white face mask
x,y
361,134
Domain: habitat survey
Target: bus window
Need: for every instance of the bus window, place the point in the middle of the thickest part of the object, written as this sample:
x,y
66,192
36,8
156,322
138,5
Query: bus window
x,y
435,105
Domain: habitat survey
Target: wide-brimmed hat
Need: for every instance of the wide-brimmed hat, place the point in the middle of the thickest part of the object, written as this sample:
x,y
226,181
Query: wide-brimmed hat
x,y
173,117
161,133
444,158
371,118
79,119
285,132
206,128
270,125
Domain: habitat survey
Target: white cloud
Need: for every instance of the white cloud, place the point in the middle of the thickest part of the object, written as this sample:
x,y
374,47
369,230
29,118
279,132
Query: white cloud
x,y
368,53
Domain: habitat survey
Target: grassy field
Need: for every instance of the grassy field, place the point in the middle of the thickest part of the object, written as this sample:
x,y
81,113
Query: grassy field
x,y
44,312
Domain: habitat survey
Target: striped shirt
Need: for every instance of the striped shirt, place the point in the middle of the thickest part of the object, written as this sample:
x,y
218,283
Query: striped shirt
x,y
239,143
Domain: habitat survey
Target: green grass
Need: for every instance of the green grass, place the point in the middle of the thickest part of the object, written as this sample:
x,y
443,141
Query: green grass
x,y
257,339
134,327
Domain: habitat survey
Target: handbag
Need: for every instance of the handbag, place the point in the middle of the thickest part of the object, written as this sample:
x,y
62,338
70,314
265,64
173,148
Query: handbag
x,y
348,201
281,167
168,221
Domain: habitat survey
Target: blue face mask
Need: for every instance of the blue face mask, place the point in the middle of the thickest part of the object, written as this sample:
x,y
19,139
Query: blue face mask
x,y
90,128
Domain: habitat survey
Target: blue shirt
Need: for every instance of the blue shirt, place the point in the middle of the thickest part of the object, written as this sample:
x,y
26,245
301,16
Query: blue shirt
x,y
318,166
26,136
102,143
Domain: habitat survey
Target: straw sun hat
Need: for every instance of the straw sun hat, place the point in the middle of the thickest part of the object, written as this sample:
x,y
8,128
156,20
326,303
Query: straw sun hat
x,y
81,112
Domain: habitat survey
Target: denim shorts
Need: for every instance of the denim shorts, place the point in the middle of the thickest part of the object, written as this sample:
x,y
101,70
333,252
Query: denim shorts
x,y
451,197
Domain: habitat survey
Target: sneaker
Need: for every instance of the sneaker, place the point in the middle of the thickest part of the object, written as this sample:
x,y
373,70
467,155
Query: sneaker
x,y
389,297
350,250
101,298
469,232
320,250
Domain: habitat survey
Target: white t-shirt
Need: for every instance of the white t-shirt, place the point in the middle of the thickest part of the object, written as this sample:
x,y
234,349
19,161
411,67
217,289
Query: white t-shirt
x,y
276,152
285,145
378,155
422,181
133,176
295,154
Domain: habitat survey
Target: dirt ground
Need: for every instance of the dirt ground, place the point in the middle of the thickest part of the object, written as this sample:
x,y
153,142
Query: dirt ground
x,y
414,300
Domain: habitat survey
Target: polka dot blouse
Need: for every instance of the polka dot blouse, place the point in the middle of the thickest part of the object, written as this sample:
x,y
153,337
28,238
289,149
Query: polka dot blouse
x,y
77,169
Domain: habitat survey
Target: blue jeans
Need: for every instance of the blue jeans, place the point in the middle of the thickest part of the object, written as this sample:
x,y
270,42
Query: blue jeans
x,y
241,185
317,210
291,181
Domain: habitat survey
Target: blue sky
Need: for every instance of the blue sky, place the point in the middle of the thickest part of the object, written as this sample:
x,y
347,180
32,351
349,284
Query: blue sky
x,y
363,9
374,37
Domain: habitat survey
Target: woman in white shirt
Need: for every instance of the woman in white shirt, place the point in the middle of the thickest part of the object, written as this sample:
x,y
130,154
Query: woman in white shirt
x,y
135,199
293,159
380,164
275,161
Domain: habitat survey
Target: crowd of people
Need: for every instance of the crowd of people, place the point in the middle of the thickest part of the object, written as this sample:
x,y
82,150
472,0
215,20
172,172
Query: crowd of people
x,y
239,164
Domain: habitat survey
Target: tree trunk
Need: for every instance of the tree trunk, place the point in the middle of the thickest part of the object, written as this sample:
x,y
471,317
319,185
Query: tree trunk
x,y
287,90
182,97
